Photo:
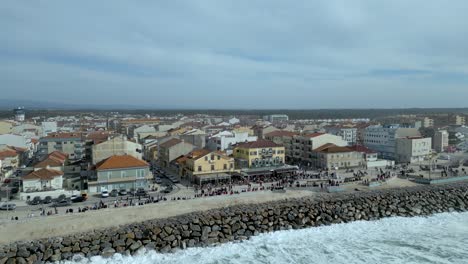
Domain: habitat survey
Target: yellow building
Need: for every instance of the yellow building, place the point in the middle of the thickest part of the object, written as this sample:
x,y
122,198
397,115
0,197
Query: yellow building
x,y
260,153
204,165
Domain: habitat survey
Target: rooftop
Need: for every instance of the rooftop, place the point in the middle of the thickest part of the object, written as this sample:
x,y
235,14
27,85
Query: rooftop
x,y
261,143
170,143
43,174
120,162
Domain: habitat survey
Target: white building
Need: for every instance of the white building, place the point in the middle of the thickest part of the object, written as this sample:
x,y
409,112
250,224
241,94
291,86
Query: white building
x,y
276,118
116,146
348,134
48,127
412,149
43,180
441,140
226,139
305,145
383,138
20,114
234,121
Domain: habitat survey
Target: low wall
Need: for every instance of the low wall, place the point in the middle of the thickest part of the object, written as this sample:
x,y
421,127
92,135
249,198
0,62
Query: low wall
x,y
241,222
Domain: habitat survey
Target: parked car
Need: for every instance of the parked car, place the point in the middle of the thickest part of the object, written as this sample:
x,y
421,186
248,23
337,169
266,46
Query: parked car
x,y
8,206
61,197
104,194
47,200
65,202
167,190
35,201
141,192
122,192
114,193
158,180
78,199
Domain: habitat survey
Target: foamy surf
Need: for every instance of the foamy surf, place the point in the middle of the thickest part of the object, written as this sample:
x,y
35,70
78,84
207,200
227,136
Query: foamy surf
x,y
440,238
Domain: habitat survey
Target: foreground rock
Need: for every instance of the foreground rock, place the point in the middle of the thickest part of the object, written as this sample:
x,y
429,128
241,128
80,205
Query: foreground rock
x,y
241,222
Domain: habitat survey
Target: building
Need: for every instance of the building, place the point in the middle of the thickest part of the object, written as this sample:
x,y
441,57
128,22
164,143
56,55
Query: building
x,y
440,141
428,122
276,118
55,160
412,149
120,172
283,138
225,140
70,143
330,156
383,138
172,149
19,142
9,161
460,120
48,128
203,165
260,153
5,127
348,134
20,114
195,137
304,145
118,145
45,179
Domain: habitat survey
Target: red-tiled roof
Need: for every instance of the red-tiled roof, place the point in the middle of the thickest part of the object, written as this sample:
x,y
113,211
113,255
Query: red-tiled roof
x,y
170,143
314,135
120,162
332,148
64,135
8,153
261,143
362,149
43,174
281,133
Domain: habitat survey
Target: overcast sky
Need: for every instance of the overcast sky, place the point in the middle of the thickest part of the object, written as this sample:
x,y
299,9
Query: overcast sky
x,y
236,54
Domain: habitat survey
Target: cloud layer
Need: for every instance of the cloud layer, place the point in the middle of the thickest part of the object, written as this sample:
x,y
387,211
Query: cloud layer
x,y
237,54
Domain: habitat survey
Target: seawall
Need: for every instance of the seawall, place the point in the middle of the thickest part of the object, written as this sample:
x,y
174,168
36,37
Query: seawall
x,y
241,222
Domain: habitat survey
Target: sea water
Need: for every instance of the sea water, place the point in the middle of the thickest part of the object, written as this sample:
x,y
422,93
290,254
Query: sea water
x,y
441,238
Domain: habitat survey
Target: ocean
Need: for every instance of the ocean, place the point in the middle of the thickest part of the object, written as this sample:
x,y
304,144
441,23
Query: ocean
x,y
442,238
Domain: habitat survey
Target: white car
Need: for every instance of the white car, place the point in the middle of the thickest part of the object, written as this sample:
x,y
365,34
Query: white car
x,y
104,194
8,206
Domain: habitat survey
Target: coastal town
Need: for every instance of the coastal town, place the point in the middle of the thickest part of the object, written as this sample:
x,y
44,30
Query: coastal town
x,y
68,164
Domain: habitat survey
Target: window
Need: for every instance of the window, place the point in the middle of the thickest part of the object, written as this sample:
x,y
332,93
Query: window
x,y
225,166
212,157
206,158
199,168
219,157
231,166
212,167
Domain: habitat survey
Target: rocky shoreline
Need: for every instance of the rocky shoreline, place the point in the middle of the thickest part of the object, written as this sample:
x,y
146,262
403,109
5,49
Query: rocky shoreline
x,y
240,222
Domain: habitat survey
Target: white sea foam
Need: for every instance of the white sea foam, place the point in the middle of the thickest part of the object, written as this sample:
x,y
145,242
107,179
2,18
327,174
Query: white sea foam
x,y
441,238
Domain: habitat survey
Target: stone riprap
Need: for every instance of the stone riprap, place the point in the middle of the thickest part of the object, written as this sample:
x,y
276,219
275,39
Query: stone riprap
x,y
241,222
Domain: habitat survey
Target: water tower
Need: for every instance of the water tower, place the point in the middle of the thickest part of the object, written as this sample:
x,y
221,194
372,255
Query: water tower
x,y
20,114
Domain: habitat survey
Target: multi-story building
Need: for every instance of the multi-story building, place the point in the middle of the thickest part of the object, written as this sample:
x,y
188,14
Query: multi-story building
x,y
428,122
118,145
260,153
412,149
44,179
203,165
172,149
304,145
440,141
276,118
349,134
120,172
225,140
20,114
283,138
460,120
48,128
69,143
330,156
195,137
383,138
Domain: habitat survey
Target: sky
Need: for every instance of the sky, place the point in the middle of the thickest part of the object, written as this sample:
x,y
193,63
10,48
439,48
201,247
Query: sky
x,y
236,53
